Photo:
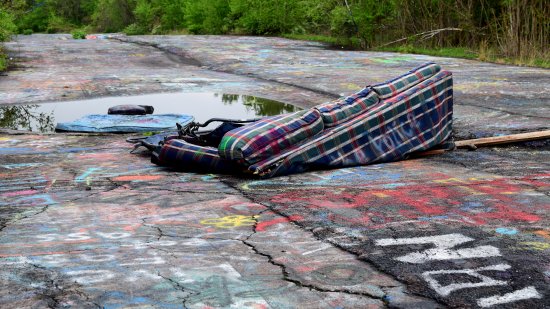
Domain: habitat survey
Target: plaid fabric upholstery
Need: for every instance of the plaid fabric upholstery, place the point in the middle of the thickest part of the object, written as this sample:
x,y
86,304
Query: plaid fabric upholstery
x,y
267,137
399,84
415,120
339,111
183,155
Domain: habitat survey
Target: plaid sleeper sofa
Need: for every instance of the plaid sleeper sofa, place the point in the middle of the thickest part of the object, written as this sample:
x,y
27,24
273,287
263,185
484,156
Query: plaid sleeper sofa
x,y
381,123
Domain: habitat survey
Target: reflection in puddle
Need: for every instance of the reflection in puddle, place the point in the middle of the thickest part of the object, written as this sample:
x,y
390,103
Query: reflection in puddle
x,y
203,106
25,117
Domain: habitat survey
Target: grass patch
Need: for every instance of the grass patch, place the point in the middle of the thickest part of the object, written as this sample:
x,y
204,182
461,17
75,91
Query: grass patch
x,y
347,43
483,54
453,52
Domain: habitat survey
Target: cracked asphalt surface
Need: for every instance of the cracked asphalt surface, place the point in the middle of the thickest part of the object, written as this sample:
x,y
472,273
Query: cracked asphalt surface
x,y
83,223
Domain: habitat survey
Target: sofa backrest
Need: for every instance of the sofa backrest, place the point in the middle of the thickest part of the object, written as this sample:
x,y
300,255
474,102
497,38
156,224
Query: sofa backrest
x,y
342,110
401,83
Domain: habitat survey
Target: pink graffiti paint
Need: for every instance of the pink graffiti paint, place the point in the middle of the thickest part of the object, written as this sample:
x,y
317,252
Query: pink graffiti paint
x,y
19,193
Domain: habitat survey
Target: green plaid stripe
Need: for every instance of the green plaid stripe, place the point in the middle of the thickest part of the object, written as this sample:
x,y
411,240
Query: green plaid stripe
x,y
269,136
394,86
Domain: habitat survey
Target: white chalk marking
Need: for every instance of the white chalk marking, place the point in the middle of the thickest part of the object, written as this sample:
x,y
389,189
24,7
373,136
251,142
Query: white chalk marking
x,y
526,293
447,289
97,258
317,250
145,261
115,235
443,251
90,276
138,275
78,236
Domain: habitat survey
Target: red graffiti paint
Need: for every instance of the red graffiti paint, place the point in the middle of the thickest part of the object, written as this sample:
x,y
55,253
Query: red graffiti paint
x,y
471,201
260,227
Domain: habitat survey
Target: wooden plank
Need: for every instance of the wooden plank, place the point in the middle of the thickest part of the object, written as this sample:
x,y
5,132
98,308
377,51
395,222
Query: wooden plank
x,y
488,141
506,139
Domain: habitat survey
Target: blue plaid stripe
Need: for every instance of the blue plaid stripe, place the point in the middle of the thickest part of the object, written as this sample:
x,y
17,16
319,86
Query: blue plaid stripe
x,y
181,154
399,84
415,120
267,137
342,110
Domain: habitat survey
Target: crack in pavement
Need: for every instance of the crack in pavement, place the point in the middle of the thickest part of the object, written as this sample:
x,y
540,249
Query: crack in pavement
x,y
188,293
174,51
287,275
316,234
53,291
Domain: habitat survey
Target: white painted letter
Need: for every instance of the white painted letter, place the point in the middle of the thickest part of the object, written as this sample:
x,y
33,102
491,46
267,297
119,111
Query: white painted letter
x,y
447,289
526,293
442,250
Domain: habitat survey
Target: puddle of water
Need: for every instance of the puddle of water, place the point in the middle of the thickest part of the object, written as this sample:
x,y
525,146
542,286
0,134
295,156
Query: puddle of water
x,y
203,106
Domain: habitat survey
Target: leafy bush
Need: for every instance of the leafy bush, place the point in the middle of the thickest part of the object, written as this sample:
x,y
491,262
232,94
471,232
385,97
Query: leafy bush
x,y
57,24
3,61
113,15
27,32
7,27
207,16
135,29
79,34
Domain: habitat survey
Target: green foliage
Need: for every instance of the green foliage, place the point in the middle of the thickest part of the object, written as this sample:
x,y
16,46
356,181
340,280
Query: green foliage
x,y
134,29
514,29
57,24
267,16
145,15
172,14
341,23
3,60
79,34
207,16
7,26
35,17
113,15
27,32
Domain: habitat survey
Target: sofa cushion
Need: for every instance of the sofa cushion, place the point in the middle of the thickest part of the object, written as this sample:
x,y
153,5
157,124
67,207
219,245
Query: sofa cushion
x,y
342,110
186,156
264,138
399,84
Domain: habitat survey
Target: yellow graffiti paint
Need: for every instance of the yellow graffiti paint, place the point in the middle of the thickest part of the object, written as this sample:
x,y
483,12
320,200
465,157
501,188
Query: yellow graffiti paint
x,y
535,245
350,86
230,221
448,180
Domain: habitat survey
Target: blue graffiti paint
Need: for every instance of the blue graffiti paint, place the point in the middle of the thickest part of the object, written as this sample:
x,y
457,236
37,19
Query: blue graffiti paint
x,y
16,150
506,231
87,173
20,165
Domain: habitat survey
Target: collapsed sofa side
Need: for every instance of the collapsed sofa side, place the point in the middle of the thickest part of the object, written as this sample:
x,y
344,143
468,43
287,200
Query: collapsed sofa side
x,y
415,120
